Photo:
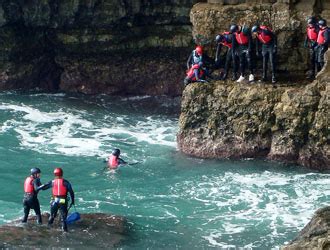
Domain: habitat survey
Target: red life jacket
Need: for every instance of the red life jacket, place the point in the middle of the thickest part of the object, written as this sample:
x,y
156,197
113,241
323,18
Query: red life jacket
x,y
58,188
226,43
241,38
320,37
312,33
264,38
113,160
28,185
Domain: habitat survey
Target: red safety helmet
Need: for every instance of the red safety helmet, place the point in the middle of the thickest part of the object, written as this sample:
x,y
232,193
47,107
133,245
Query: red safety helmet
x,y
199,50
58,172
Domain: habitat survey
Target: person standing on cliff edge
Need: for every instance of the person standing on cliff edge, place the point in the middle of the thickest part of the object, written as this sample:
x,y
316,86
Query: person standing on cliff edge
x,y
311,43
267,38
242,47
323,41
225,39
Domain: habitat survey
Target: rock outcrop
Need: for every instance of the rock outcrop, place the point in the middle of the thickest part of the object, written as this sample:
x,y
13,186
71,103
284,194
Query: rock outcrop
x,y
92,231
315,235
281,122
112,47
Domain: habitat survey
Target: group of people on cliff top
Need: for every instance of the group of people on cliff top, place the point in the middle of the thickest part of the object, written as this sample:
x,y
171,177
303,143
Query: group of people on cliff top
x,y
239,41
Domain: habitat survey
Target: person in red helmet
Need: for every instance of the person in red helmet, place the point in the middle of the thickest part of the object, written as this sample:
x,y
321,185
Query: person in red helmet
x,y
60,189
196,63
114,161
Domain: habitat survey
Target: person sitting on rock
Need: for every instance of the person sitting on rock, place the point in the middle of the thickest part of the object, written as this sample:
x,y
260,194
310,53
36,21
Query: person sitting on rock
x,y
311,43
114,161
225,39
323,41
242,47
267,38
32,186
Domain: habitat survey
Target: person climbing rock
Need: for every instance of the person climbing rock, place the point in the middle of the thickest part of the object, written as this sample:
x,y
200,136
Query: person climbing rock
x,y
242,47
323,41
267,38
60,190
225,39
114,161
311,43
32,186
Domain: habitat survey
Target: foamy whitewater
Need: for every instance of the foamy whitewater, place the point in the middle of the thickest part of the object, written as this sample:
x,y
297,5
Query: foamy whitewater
x,y
169,199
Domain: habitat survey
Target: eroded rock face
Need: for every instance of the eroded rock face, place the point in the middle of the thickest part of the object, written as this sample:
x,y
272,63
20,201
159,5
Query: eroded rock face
x,y
315,235
113,47
280,122
92,231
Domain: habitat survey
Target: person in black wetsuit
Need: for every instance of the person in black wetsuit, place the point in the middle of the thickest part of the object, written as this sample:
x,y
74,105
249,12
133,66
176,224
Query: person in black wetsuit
x,y
225,39
311,43
242,47
60,189
32,185
323,41
268,39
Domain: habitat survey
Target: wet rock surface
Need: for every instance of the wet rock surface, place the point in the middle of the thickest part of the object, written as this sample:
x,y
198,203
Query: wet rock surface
x,y
315,235
287,123
94,231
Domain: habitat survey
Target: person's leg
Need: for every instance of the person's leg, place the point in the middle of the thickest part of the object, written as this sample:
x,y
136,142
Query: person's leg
x,y
26,207
53,212
264,64
36,208
272,59
64,214
227,64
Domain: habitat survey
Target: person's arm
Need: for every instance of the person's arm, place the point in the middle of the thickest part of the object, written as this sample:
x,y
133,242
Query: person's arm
x,y
257,46
70,190
217,53
46,186
249,43
327,37
121,161
37,185
188,61
306,42
234,43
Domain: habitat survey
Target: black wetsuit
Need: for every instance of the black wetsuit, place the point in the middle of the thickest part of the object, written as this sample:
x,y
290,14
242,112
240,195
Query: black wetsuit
x,y
322,48
243,51
269,52
227,42
30,201
312,45
56,204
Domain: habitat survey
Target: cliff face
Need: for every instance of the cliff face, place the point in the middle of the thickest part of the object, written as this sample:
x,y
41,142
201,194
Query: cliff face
x,y
97,46
315,235
283,122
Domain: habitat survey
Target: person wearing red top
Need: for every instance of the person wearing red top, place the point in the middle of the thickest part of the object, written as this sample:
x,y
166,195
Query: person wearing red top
x,y
32,186
266,37
60,189
323,41
114,161
311,43
242,47
225,39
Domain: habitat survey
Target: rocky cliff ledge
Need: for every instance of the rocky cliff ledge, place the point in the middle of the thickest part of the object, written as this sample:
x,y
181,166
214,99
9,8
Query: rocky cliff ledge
x,y
112,47
278,122
315,235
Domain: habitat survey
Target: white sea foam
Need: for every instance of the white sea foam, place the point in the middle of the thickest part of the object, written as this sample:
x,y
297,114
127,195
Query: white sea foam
x,y
71,133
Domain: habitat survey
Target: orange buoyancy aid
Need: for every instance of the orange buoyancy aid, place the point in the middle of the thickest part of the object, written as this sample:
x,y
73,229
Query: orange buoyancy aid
x,y
28,185
113,160
312,33
241,38
320,37
58,188
264,38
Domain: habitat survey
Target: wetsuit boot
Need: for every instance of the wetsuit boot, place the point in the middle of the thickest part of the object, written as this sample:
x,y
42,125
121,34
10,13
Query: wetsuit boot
x,y
274,79
39,219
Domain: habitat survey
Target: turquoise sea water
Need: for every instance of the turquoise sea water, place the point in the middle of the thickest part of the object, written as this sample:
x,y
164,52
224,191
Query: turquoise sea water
x,y
170,200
